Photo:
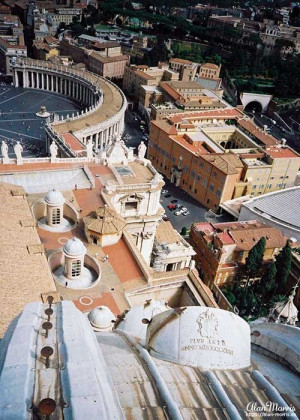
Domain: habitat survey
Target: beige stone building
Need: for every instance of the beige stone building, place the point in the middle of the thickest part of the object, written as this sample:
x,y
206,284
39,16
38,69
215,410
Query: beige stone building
x,y
11,47
210,70
104,59
187,69
136,76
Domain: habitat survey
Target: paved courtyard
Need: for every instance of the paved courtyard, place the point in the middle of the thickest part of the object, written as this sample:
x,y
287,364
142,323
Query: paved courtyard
x,y
198,213
18,120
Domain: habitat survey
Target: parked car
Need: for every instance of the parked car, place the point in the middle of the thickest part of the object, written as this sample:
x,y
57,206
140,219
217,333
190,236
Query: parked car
x,y
164,191
168,195
165,218
178,212
186,213
178,205
171,207
174,201
183,208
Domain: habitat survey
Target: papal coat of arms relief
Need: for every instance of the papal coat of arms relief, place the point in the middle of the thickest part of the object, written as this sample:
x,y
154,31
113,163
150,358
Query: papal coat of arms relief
x,y
208,324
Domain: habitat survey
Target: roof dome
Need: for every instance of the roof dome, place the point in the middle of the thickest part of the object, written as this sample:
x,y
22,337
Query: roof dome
x,y
54,198
209,338
74,247
132,322
101,318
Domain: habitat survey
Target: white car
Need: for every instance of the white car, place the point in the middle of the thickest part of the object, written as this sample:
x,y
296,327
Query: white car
x,y
186,213
178,212
183,209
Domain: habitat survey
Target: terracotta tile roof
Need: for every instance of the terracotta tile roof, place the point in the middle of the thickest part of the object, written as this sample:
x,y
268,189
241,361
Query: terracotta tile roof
x,y
221,163
144,75
246,238
24,273
165,126
252,128
210,66
225,238
105,221
281,152
196,148
166,233
73,142
180,61
198,115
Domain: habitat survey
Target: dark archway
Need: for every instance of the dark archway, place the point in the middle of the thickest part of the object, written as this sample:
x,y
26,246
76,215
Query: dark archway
x,y
254,106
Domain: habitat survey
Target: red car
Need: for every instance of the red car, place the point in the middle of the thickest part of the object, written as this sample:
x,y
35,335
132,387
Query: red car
x,y
172,206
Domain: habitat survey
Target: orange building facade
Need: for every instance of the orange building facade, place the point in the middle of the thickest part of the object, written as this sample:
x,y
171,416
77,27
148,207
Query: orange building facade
x,y
222,248
209,157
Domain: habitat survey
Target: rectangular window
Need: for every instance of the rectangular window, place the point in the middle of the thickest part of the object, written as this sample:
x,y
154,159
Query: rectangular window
x,y
56,216
211,187
204,183
214,174
76,268
219,193
131,205
254,187
198,178
193,174
201,165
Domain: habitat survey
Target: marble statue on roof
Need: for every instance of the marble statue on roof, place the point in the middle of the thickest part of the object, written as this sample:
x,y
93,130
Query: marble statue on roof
x,y
4,150
53,150
18,149
142,150
89,149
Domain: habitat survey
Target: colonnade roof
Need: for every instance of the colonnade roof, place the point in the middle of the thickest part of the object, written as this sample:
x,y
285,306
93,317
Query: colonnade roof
x,y
112,103
113,98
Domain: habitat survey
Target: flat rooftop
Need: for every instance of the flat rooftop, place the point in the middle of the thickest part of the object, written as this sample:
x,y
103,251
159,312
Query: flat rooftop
x,y
42,181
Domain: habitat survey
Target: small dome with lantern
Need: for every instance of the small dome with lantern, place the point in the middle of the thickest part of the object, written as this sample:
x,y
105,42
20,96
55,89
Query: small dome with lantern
x,y
54,198
101,318
74,248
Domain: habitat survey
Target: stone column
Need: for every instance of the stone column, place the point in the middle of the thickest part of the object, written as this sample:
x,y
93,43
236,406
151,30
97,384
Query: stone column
x,y
16,76
43,76
32,79
47,81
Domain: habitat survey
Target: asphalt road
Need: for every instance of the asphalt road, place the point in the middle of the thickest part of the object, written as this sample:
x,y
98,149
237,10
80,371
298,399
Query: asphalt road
x,y
18,120
198,213
133,134
293,139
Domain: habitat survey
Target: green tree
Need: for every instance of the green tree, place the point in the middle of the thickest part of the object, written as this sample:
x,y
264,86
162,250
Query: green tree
x,y
283,266
255,257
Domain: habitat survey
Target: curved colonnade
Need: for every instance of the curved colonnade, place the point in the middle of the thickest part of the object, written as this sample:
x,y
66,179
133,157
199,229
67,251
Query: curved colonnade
x,y
103,102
